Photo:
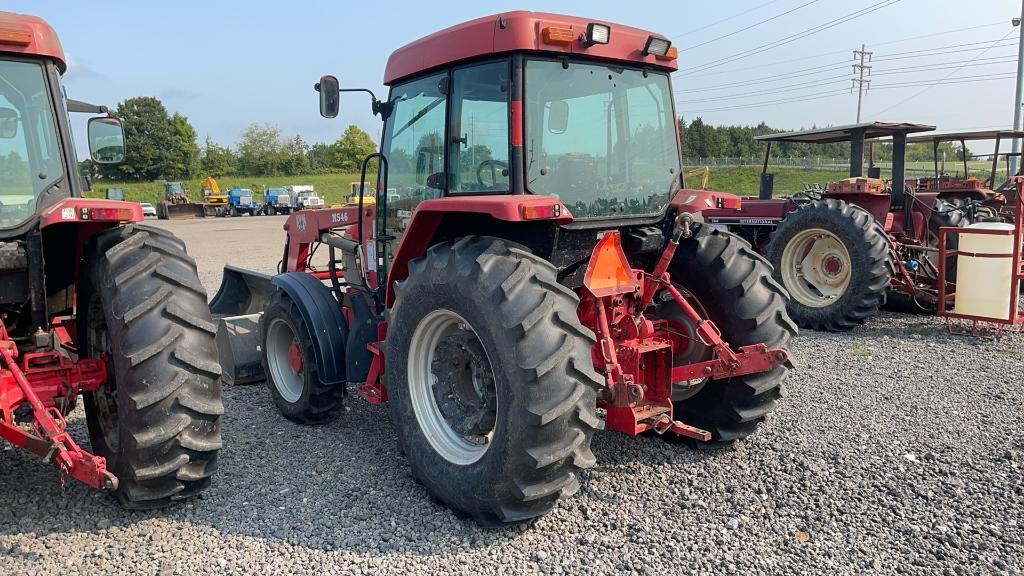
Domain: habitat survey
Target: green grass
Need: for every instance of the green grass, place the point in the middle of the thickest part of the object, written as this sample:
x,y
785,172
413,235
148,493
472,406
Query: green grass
x,y
333,187
744,180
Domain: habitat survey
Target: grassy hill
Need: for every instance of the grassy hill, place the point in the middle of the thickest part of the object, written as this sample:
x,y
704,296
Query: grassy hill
x,y
335,187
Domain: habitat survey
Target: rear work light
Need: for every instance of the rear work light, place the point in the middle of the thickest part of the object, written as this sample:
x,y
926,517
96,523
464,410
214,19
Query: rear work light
x,y
657,46
557,36
597,34
15,36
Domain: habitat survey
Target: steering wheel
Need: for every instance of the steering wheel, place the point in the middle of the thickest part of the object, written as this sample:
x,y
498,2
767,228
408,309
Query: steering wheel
x,y
494,165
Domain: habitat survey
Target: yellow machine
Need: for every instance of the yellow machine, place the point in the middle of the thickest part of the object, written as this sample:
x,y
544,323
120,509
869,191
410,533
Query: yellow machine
x,y
211,192
369,196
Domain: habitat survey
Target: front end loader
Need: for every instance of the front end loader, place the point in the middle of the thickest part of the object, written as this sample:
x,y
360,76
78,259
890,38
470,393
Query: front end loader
x,y
532,269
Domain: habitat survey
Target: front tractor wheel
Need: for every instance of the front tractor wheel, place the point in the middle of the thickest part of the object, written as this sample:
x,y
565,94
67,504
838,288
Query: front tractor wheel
x,y
157,421
290,364
730,284
490,381
834,260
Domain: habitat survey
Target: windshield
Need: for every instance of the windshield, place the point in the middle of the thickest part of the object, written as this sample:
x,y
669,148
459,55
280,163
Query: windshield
x,y
600,138
29,153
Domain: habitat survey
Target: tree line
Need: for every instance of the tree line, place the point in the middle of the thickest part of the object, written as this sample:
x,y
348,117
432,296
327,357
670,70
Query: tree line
x,y
161,145
700,140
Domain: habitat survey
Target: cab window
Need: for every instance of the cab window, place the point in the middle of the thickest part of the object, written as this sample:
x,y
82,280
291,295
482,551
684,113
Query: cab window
x,y
479,141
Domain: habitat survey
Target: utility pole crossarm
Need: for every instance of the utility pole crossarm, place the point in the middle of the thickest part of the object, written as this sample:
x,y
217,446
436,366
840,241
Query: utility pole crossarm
x,y
860,68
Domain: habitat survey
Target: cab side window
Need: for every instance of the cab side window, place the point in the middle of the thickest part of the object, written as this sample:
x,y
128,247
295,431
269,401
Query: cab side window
x,y
479,146
414,146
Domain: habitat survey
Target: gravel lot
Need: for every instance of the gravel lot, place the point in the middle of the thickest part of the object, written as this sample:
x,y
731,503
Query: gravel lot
x,y
898,450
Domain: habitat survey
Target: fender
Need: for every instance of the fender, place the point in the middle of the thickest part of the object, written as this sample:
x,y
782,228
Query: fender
x,y
429,214
322,314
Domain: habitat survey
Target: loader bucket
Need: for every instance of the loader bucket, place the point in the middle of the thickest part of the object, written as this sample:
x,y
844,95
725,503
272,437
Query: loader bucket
x,y
237,307
168,211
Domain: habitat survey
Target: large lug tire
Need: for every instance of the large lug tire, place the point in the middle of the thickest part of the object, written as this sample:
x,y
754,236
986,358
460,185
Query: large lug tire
x,y
158,423
290,365
949,213
834,260
271,211
233,211
507,448
733,285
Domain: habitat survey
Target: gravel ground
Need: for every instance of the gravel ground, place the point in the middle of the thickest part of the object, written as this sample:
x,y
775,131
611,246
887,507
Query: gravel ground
x,y
898,450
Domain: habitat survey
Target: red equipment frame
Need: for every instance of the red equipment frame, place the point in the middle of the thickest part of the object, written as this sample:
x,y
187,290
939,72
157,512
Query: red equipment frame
x,y
52,370
1015,316
633,350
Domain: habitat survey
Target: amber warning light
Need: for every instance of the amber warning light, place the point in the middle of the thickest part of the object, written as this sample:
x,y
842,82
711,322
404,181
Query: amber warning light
x,y
15,36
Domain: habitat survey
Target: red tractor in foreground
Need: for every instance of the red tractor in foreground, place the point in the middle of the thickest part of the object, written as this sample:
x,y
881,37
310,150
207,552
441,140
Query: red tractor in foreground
x,y
532,269
93,305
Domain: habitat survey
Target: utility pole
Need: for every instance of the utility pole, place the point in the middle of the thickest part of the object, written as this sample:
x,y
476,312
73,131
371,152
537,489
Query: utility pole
x,y
859,69
1020,79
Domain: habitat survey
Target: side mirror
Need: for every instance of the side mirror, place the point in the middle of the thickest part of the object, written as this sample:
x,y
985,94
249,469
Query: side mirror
x,y
558,116
8,123
106,140
330,98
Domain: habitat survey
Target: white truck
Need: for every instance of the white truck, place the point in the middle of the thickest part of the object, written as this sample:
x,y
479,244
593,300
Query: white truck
x,y
304,197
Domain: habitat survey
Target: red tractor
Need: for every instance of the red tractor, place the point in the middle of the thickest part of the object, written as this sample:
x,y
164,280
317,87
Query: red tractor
x,y
843,250
93,305
532,269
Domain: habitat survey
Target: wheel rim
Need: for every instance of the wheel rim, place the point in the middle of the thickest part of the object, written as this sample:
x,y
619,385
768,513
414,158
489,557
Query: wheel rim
x,y
686,346
452,387
816,268
284,358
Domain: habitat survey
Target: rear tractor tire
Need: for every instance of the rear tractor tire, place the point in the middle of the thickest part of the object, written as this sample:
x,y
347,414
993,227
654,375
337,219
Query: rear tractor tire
x,y
158,420
834,260
289,362
730,284
490,380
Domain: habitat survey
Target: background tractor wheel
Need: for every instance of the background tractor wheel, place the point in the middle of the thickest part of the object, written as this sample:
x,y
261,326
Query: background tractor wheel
x,y
271,211
290,364
732,285
490,380
158,422
233,211
834,260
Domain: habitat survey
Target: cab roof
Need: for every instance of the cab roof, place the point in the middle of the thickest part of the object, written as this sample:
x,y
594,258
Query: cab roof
x,y
970,135
518,31
844,133
30,36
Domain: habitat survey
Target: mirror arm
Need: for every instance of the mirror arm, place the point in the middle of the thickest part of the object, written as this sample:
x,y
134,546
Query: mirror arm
x,y
85,107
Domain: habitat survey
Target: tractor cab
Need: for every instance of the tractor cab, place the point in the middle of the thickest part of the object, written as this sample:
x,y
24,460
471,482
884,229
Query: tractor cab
x,y
39,166
576,111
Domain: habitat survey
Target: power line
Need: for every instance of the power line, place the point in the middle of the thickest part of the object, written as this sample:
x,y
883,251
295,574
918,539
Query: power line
x,y
820,96
774,78
734,16
937,52
945,65
941,81
800,86
754,25
794,37
944,78
824,54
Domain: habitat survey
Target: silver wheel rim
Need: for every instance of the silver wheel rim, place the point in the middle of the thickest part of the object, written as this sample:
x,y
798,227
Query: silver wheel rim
x,y
287,381
816,268
447,442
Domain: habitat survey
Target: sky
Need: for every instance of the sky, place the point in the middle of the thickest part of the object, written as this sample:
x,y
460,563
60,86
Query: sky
x,y
225,65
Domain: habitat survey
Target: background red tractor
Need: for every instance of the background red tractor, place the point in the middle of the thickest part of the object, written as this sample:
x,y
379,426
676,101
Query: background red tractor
x,y
93,304
844,250
533,271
